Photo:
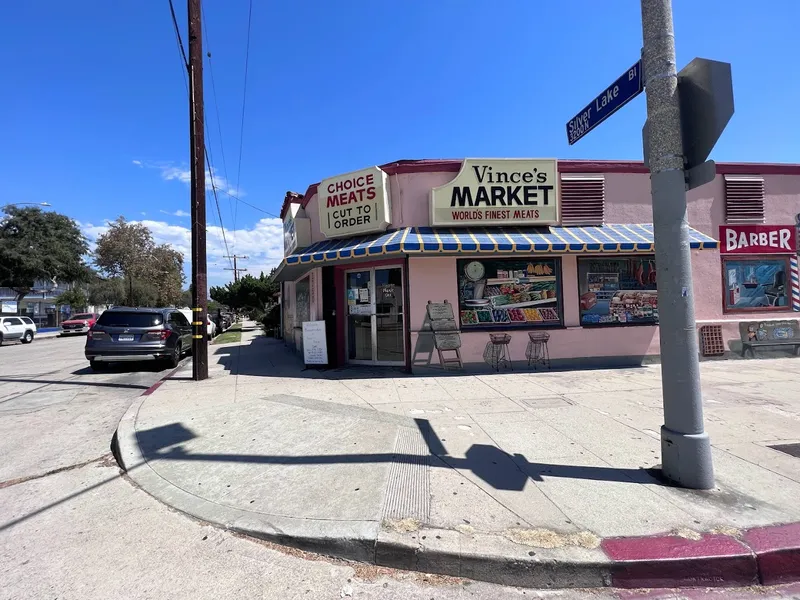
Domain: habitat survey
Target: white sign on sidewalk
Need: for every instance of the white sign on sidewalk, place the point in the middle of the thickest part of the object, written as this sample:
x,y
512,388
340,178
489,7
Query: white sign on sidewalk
x,y
315,344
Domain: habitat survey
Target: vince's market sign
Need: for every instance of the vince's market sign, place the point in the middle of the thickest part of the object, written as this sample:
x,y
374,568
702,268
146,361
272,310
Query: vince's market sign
x,y
354,203
504,191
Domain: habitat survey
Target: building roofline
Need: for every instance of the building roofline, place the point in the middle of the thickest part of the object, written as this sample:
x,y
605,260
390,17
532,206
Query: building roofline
x,y
453,165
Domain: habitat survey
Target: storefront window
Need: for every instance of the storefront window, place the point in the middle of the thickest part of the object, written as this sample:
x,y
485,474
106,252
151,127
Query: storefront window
x,y
302,302
755,284
507,293
618,291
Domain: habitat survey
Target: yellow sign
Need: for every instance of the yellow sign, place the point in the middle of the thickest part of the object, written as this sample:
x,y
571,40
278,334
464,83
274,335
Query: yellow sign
x,y
498,191
354,204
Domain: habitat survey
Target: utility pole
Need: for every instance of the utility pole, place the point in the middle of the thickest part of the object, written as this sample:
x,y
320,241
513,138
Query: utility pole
x,y
198,198
685,446
235,269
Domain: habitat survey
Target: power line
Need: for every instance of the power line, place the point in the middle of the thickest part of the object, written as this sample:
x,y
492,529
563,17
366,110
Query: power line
x,y
244,100
208,161
219,121
266,212
216,201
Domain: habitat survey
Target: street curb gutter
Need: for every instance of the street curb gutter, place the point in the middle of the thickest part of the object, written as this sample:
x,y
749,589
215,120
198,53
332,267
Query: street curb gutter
x,y
767,555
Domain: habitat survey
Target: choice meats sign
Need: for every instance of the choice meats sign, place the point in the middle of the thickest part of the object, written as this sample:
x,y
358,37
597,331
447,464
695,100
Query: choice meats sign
x,y
757,239
354,203
502,191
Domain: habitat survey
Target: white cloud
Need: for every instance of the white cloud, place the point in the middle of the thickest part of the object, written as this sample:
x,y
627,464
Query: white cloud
x,y
170,172
262,243
177,213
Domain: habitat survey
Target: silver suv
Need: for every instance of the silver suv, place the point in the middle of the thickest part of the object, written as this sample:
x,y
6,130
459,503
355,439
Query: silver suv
x,y
138,334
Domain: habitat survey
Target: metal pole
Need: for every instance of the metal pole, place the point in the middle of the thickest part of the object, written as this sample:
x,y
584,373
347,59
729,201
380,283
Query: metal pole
x,y
197,153
685,446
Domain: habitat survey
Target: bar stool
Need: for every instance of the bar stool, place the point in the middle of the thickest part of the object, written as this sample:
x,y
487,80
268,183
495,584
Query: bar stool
x,y
537,351
497,352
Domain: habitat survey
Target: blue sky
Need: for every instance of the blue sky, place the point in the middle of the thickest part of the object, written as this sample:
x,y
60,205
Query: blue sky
x,y
94,116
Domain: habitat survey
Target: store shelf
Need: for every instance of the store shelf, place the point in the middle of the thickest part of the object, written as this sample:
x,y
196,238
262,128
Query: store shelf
x,y
518,280
524,304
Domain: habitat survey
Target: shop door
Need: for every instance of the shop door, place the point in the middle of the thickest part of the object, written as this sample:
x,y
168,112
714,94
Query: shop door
x,y
375,326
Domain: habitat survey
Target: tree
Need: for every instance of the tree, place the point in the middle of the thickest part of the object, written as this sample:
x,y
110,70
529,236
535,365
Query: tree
x,y
254,295
75,298
167,274
40,246
127,255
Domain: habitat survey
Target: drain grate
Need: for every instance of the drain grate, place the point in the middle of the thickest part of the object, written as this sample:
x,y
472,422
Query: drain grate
x,y
790,449
712,342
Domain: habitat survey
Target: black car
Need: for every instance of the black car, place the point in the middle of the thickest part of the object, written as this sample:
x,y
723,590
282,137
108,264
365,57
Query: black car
x,y
138,334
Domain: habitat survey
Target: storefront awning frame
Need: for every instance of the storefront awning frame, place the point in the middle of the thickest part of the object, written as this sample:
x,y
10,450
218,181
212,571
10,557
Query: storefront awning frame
x,y
612,238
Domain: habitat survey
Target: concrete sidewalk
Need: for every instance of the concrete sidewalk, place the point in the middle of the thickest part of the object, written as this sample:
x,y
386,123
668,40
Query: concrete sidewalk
x,y
542,479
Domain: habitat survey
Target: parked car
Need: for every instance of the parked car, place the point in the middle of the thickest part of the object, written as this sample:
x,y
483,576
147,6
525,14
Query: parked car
x,y
80,323
138,334
211,327
29,322
15,328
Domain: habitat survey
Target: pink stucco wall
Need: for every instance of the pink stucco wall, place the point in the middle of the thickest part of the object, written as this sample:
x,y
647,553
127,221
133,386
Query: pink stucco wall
x,y
627,201
435,279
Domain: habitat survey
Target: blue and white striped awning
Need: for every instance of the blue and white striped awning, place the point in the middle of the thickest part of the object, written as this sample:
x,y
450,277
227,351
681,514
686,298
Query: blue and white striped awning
x,y
616,238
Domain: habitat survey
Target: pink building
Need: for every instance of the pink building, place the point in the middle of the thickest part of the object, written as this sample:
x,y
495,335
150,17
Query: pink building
x,y
529,245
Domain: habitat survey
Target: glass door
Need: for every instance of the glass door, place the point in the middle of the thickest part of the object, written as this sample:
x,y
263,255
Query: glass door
x,y
389,326
375,325
360,313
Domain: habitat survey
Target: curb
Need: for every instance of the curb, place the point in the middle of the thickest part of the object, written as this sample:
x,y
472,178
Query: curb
x,y
767,555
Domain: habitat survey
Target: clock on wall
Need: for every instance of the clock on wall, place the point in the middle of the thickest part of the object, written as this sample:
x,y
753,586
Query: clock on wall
x,y
475,270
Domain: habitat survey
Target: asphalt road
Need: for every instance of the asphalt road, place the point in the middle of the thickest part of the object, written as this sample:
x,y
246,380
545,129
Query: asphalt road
x,y
72,526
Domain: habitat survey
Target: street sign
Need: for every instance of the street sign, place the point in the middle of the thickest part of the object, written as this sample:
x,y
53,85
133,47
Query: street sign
x,y
614,97
705,92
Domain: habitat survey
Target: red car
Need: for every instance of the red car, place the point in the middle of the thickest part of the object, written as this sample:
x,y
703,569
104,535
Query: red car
x,y
80,323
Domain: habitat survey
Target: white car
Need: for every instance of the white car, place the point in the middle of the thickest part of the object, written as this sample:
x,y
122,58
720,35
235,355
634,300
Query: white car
x,y
17,328
211,327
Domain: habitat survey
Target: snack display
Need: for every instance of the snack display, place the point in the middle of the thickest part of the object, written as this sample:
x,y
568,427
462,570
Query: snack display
x,y
516,314
501,316
532,314
507,291
469,317
549,314
484,316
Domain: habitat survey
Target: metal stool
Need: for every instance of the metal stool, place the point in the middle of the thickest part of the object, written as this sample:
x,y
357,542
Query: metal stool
x,y
537,351
497,352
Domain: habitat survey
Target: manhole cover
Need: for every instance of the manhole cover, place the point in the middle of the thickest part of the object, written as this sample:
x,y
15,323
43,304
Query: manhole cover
x,y
790,449
546,402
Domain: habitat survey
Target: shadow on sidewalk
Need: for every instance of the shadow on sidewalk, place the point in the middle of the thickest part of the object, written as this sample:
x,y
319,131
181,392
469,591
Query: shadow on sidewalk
x,y
269,357
499,469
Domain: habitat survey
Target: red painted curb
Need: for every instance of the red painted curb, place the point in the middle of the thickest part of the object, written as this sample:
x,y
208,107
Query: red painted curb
x,y
158,383
777,549
672,561
768,555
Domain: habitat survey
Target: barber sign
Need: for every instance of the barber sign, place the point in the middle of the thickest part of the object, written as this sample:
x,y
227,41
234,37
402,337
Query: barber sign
x,y
758,239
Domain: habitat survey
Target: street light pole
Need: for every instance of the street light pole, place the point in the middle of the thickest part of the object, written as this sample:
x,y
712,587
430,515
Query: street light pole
x,y
685,446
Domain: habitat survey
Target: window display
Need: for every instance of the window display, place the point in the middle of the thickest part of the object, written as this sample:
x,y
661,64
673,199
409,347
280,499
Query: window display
x,y
618,291
755,284
509,292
